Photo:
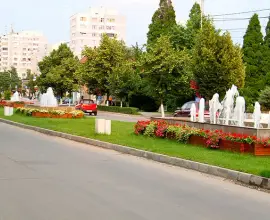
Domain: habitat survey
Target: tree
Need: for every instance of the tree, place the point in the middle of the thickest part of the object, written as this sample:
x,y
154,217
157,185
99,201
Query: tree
x,y
4,81
100,64
253,57
162,21
58,71
165,70
15,81
193,25
264,98
217,62
266,54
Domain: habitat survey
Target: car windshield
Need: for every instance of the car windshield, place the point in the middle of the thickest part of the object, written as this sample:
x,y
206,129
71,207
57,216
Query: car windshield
x,y
88,102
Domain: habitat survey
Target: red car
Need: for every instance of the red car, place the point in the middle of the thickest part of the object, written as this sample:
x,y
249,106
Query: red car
x,y
87,106
184,111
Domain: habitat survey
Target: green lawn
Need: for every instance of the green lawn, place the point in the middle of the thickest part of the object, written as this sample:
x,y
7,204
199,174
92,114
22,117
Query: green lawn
x,y
122,133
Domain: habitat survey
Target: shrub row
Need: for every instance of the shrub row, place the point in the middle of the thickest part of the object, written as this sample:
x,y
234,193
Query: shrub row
x,y
124,110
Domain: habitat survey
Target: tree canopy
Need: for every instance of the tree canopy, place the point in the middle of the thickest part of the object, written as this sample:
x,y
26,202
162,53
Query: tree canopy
x,y
217,62
163,20
58,71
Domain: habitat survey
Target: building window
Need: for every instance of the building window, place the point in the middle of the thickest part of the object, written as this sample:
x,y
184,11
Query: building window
x,y
101,27
102,19
94,27
24,49
110,34
4,48
15,59
14,64
111,20
94,34
29,59
108,27
83,19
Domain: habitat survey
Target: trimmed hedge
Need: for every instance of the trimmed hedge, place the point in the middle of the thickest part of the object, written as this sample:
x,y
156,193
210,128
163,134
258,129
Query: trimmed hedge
x,y
124,110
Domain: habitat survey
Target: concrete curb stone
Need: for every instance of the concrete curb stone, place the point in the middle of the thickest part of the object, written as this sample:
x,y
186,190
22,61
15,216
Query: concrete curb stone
x,y
245,178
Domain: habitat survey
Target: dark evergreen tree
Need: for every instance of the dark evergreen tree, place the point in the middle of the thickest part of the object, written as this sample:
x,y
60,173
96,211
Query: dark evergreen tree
x,y
163,20
266,54
253,58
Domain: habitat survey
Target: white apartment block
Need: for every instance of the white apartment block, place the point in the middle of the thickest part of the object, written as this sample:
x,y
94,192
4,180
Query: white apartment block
x,y
23,51
86,28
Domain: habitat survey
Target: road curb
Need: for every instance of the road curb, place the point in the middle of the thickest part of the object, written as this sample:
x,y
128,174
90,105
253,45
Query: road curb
x,y
236,176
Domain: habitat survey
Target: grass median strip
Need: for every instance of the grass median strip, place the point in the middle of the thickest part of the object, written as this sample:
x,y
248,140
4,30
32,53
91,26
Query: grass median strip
x,y
122,133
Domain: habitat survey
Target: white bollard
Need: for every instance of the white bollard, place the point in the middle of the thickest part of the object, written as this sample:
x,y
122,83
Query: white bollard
x,y
100,126
6,111
11,109
108,127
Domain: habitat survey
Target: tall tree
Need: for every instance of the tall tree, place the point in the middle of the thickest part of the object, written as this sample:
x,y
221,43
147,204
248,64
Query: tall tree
x,y
166,70
16,82
253,58
162,21
193,25
58,71
266,54
217,62
101,62
4,81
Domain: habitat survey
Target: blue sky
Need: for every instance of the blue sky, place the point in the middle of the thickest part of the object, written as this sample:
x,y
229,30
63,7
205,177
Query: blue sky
x,y
52,16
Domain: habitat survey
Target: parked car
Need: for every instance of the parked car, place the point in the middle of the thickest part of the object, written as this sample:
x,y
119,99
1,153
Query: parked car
x,y
184,111
67,101
87,106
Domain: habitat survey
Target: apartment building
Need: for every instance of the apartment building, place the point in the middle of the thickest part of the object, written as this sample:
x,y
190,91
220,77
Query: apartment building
x,y
23,51
86,28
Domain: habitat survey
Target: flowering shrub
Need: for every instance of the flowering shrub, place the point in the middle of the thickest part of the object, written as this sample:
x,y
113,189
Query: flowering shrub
x,y
30,111
140,127
182,134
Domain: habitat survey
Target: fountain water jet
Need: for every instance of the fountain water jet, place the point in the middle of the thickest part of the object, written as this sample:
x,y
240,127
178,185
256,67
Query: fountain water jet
x,y
257,115
239,111
15,97
201,110
214,106
193,112
48,99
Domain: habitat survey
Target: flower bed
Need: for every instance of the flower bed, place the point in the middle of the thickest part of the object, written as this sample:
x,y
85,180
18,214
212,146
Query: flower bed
x,y
41,113
213,139
12,104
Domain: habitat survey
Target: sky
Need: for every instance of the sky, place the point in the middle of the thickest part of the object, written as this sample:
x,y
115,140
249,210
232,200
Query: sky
x,y
51,17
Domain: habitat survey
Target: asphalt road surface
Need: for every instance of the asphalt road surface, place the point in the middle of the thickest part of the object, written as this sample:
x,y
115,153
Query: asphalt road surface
x,y
47,178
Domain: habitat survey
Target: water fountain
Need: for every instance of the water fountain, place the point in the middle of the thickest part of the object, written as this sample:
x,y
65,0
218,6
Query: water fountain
x,y
201,110
193,112
228,116
239,112
15,97
257,115
48,99
214,106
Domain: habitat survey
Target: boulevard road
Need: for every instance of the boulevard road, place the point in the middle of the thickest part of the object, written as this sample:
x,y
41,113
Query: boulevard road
x,y
48,178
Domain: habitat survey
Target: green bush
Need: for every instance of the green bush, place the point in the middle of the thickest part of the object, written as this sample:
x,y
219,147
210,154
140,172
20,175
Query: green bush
x,y
264,98
124,110
7,95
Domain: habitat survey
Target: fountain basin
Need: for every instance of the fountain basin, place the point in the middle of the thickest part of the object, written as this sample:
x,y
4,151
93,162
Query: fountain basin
x,y
259,132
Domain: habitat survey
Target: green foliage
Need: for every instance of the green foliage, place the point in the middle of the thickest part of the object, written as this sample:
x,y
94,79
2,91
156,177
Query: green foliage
x,y
124,110
266,54
217,62
265,98
166,70
4,81
162,21
7,95
253,59
58,71
150,129
101,63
